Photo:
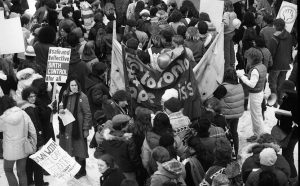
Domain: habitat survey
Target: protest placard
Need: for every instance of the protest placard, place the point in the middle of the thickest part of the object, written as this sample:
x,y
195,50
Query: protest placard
x,y
214,8
67,117
57,162
288,12
58,64
11,36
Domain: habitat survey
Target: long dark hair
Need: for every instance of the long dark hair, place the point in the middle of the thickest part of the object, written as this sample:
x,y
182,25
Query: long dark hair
x,y
6,102
161,124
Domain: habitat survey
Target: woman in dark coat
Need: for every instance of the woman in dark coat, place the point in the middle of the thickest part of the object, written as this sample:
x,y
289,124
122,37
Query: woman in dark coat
x,y
73,136
110,174
32,168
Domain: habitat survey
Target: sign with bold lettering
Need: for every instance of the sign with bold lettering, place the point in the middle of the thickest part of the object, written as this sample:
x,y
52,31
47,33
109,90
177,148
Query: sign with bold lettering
x,y
56,161
58,64
288,12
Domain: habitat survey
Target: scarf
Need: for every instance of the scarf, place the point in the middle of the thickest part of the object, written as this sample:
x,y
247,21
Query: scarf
x,y
75,125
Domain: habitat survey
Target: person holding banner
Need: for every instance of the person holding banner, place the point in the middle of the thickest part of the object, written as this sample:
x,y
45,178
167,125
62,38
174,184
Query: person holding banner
x,y
73,135
16,125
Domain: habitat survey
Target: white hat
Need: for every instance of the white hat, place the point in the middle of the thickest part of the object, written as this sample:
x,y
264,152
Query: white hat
x,y
29,51
267,157
236,23
145,12
169,93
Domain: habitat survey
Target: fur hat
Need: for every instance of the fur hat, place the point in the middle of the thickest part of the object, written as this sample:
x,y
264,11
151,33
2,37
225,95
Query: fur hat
x,y
119,120
173,104
267,157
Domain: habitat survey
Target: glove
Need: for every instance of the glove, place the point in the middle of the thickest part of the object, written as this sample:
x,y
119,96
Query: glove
x,y
239,74
85,133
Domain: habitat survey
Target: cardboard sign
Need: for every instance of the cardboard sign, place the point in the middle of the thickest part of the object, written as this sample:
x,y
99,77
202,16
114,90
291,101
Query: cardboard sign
x,y
214,8
288,12
57,162
58,64
11,36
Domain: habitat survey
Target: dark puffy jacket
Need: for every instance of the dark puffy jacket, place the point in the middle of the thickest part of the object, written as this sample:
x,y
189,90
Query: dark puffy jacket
x,y
253,178
252,162
123,151
281,49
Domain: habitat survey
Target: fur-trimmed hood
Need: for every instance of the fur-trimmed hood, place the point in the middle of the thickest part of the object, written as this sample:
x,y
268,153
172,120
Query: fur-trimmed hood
x,y
25,105
24,72
256,148
110,135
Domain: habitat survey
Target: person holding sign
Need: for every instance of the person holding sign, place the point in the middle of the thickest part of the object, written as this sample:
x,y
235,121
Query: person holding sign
x,y
73,135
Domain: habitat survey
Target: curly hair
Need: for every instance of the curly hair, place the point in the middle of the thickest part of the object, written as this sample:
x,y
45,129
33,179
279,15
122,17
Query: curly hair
x,y
27,91
65,11
228,6
161,124
120,95
175,16
279,24
189,7
255,55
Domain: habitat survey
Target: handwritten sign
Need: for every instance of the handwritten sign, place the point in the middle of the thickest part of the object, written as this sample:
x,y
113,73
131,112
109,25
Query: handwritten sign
x,y
56,161
58,64
288,12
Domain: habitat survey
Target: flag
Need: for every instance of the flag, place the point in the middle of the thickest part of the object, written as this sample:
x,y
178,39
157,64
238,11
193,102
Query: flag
x,y
117,78
209,71
148,85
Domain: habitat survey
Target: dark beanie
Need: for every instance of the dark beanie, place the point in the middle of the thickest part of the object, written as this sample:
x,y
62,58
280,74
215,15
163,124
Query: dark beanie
x,y
202,27
166,140
99,68
173,104
132,43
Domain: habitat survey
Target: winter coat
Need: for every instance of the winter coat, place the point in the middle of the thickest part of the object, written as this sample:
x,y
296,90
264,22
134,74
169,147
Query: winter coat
x,y
76,147
95,95
13,123
232,104
151,141
78,68
180,124
40,14
197,47
267,33
112,177
32,112
249,36
111,108
281,49
253,179
123,149
172,170
7,83
94,30
252,162
41,50
121,8
145,26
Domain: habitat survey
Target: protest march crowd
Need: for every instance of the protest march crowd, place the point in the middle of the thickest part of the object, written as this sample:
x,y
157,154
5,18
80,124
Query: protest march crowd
x,y
133,78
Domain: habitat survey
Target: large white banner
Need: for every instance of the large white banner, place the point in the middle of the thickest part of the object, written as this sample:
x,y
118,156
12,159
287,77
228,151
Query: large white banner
x,y
57,162
214,8
288,12
209,71
11,36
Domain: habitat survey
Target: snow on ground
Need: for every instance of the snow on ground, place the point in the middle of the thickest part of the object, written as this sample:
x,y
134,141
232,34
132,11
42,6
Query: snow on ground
x,y
92,178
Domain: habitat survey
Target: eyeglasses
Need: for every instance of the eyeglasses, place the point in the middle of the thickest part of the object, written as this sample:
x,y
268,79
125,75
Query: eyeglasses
x,y
32,96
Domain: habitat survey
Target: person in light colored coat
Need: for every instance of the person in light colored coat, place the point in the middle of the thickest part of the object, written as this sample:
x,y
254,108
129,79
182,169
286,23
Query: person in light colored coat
x,y
15,123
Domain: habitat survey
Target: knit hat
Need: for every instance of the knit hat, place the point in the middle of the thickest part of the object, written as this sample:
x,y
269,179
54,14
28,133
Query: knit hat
x,y
288,86
145,12
173,104
99,114
267,157
169,93
120,119
132,43
99,68
29,51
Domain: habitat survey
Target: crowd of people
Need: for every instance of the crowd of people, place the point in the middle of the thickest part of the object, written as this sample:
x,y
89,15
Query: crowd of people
x,y
135,145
